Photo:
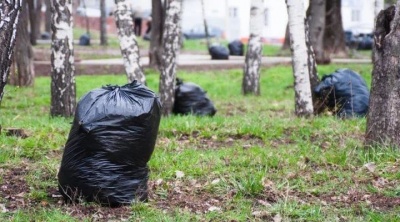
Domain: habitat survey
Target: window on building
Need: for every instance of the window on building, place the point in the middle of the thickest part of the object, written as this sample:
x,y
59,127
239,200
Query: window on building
x,y
355,15
266,14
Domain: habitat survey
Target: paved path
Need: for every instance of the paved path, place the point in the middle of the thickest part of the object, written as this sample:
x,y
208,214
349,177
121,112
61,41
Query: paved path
x,y
186,59
185,62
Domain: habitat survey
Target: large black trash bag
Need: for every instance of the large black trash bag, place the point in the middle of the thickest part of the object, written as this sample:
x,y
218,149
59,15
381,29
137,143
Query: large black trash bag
x,y
111,140
191,99
236,48
84,40
218,52
344,92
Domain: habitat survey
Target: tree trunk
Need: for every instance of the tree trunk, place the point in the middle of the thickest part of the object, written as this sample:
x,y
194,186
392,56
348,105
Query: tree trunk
x,y
63,92
316,19
318,104
205,25
24,73
34,19
170,49
378,6
383,119
286,42
157,27
103,23
47,19
302,87
10,12
128,44
334,38
251,72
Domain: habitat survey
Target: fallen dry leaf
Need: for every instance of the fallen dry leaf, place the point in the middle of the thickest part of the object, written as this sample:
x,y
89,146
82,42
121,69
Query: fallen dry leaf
x,y
179,174
213,208
370,167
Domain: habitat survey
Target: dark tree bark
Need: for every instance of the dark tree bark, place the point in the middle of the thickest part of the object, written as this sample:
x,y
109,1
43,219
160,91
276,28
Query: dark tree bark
x,y
103,23
316,15
312,69
334,38
252,65
383,119
157,27
24,73
47,20
63,91
205,25
9,14
128,44
170,48
34,19
286,42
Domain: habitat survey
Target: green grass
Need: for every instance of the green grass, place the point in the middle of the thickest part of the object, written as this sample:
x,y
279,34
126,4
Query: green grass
x,y
253,161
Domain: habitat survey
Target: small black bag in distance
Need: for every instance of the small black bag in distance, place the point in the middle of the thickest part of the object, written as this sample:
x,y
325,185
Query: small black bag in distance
x,y
345,92
111,140
218,52
236,48
192,99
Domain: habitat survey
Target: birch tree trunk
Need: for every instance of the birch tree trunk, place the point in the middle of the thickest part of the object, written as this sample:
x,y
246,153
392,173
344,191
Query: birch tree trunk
x,y
128,44
251,70
157,27
9,13
103,23
63,92
303,98
316,14
24,73
170,49
383,119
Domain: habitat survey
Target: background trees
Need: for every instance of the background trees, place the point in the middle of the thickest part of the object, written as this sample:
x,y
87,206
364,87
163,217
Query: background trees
x,y
9,12
103,23
303,98
128,43
170,48
251,70
157,27
23,72
63,92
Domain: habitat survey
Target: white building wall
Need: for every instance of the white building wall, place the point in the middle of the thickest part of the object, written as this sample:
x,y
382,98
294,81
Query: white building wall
x,y
358,16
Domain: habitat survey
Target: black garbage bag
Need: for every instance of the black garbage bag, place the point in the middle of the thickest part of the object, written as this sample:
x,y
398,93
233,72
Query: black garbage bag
x,y
84,40
345,92
236,48
191,99
111,140
218,52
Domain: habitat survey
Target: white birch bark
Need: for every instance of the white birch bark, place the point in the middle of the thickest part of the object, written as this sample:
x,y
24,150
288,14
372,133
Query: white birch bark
x,y
251,70
128,44
63,92
303,97
9,14
170,49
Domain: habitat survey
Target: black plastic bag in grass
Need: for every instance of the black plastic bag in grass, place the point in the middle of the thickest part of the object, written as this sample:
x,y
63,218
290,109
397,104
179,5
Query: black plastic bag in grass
x,y
111,140
218,52
236,48
191,99
344,92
